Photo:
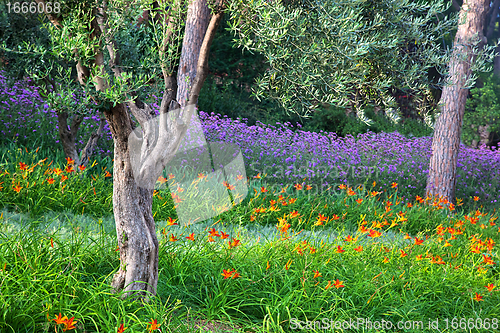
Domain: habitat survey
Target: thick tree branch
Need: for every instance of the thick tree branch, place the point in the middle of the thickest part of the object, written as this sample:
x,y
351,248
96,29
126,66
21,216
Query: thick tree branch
x,y
92,142
202,69
75,124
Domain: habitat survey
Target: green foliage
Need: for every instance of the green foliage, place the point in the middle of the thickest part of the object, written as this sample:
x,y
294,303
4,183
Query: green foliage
x,y
335,120
343,52
482,108
15,30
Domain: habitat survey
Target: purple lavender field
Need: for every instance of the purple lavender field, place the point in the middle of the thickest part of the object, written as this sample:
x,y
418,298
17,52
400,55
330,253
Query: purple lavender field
x,y
285,154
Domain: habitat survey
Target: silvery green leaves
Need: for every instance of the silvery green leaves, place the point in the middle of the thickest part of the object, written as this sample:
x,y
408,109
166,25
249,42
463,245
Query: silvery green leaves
x,y
343,52
205,179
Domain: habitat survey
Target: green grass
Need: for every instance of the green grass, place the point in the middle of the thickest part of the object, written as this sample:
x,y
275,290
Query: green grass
x,y
58,254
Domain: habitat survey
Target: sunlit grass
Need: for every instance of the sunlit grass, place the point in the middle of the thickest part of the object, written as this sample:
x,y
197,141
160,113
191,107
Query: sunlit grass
x,y
283,255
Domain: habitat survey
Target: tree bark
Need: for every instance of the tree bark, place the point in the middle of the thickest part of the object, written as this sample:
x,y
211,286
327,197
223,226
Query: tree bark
x,y
198,17
67,135
441,181
135,171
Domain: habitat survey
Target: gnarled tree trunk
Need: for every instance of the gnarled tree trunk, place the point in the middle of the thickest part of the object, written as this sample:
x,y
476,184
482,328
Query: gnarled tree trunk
x,y
140,159
441,181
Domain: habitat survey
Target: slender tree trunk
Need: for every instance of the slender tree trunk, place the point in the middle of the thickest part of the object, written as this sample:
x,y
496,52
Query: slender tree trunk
x,y
441,180
198,17
67,135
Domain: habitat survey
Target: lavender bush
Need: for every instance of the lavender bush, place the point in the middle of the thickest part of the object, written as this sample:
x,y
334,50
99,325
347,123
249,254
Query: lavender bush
x,y
286,154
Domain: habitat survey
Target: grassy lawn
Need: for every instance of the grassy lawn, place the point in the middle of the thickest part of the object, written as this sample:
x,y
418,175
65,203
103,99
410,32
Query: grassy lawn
x,y
333,236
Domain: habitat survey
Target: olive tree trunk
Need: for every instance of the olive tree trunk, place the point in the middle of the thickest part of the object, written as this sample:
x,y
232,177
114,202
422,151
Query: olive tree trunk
x,y
441,181
140,159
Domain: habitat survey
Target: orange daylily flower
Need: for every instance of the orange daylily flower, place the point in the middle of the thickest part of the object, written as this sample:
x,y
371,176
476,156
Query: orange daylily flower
x,y
342,187
394,185
69,324
23,166
437,260
69,160
359,200
350,239
63,178
418,241
81,167
419,257
60,320
235,274
403,253
350,192
488,260
107,174
211,239
213,232
171,222
374,233
172,238
223,235
358,249
316,274
69,169
239,177
322,217
153,325
318,223
161,180
476,198
335,217
385,261
235,242
298,187
475,249
363,229
263,189
191,236
339,249
308,187
338,284
121,329
478,297
490,287
17,188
